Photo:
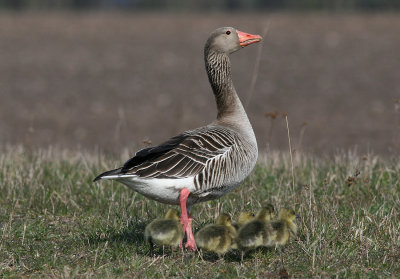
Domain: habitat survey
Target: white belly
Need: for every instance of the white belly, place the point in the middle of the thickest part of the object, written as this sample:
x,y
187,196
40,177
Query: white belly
x,y
162,190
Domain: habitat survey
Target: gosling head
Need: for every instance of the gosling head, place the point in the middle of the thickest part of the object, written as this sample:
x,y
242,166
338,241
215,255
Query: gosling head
x,y
287,214
224,220
172,214
266,213
244,217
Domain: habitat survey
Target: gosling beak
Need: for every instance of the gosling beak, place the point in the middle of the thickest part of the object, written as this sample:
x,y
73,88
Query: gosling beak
x,y
246,39
297,216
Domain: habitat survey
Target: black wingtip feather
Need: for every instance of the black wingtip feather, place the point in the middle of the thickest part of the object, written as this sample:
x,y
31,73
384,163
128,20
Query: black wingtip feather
x,y
116,171
150,153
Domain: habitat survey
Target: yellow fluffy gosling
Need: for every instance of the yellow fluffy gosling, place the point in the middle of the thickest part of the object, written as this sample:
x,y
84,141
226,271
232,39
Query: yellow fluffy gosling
x,y
244,218
284,228
218,237
166,232
257,232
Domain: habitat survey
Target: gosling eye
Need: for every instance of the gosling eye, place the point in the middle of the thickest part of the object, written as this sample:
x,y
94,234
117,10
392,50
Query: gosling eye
x,y
228,32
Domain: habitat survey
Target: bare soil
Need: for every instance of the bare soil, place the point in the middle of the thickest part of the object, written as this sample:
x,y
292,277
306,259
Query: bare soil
x,y
116,81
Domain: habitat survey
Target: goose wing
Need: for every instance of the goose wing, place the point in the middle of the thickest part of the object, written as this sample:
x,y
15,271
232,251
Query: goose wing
x,y
185,155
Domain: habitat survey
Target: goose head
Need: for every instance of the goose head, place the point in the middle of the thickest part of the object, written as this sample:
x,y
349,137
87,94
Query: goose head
x,y
228,40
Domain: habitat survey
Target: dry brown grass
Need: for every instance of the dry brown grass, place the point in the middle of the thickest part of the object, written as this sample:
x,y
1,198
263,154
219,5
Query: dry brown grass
x,y
54,222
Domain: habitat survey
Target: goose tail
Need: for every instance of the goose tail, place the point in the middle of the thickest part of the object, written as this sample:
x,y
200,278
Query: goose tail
x,y
112,174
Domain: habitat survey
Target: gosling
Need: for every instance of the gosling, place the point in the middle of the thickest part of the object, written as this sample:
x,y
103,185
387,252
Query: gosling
x,y
244,218
165,232
257,232
218,237
284,228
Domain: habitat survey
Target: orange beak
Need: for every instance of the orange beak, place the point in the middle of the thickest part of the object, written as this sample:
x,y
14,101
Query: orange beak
x,y
246,39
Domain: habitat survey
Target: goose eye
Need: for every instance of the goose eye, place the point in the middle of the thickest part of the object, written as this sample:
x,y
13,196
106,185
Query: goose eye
x,y
228,32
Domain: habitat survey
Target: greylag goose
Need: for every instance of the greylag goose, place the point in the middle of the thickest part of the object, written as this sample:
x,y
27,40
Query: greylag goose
x,y
218,237
166,232
204,163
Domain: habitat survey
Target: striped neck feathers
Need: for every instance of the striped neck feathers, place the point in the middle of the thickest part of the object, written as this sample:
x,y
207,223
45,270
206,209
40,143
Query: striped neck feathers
x,y
218,68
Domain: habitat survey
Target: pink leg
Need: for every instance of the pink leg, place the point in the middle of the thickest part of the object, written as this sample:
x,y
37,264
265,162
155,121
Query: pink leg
x,y
186,220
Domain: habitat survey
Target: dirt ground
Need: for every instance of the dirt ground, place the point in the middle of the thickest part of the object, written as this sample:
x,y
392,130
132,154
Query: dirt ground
x,y
116,81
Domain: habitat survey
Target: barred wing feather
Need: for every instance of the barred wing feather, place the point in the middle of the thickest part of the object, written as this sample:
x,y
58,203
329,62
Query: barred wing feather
x,y
183,156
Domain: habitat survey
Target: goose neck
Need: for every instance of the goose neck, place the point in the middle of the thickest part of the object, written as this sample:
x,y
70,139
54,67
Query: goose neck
x,y
218,68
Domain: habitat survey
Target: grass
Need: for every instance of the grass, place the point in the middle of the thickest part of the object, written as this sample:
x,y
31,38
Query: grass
x,y
54,222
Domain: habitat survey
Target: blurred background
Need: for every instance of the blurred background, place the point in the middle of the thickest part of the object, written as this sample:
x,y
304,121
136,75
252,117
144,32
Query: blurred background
x,y
113,75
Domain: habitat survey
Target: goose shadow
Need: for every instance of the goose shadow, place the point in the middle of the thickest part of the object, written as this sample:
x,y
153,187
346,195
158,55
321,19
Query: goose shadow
x,y
231,257
131,235
234,256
